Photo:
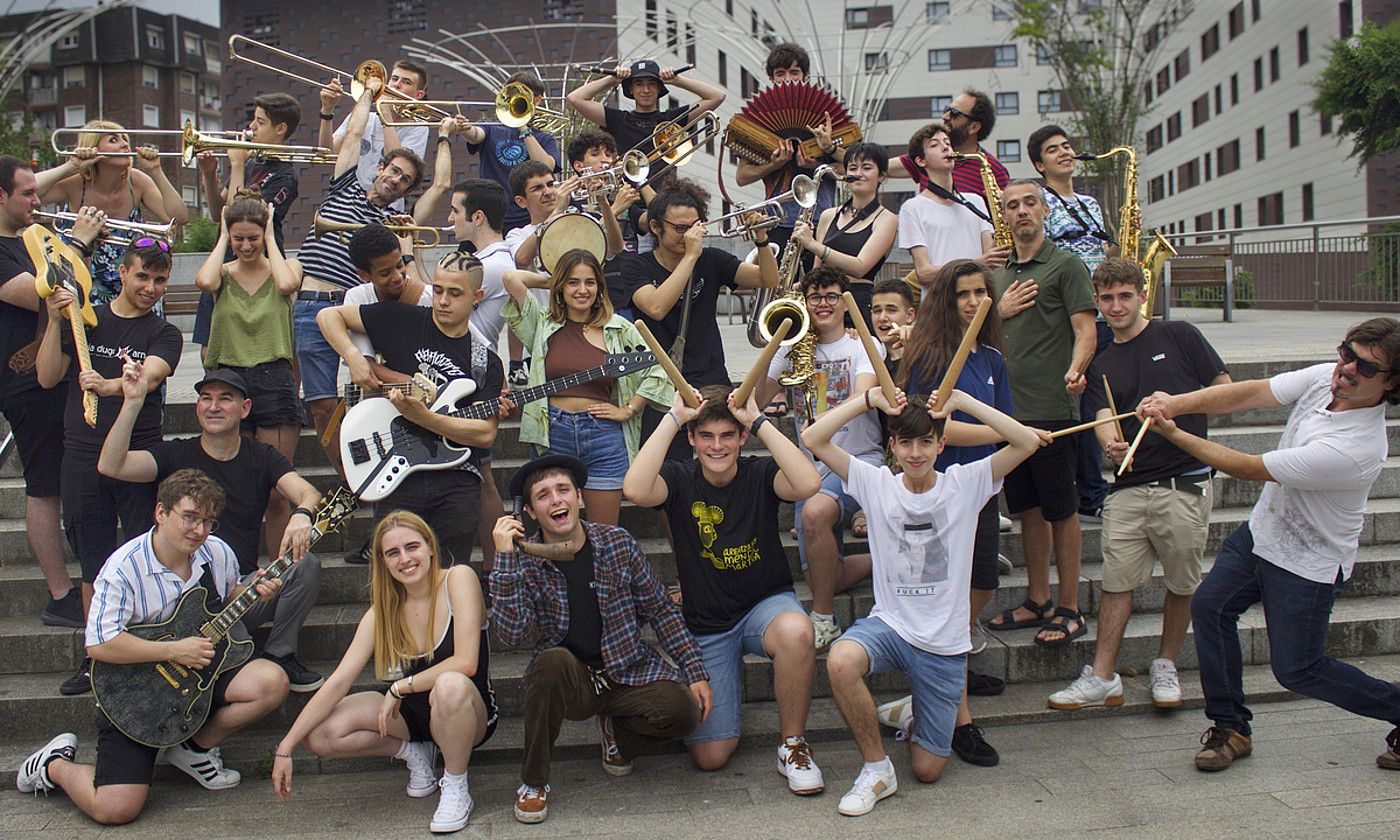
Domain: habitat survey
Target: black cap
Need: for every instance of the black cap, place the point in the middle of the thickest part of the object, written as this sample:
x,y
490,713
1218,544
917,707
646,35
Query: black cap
x,y
226,376
644,69
567,462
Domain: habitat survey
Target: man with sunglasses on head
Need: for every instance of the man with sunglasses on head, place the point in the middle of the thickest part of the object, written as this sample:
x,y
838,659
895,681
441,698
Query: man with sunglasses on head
x,y
1299,546
969,119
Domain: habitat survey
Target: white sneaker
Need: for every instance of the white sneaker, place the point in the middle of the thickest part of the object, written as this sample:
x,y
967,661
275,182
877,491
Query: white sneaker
x,y
1166,688
978,635
454,806
824,630
871,786
897,715
207,768
795,762
420,756
1089,690
33,775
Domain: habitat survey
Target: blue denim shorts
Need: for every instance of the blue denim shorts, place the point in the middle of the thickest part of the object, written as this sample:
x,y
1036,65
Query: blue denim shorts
x,y
319,363
937,681
723,655
831,486
598,443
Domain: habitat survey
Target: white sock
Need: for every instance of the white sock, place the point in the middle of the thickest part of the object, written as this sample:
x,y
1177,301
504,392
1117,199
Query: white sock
x,y
881,766
454,778
827,616
403,751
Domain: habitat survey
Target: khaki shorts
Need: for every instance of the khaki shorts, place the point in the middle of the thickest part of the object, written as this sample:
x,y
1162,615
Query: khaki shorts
x,y
1148,523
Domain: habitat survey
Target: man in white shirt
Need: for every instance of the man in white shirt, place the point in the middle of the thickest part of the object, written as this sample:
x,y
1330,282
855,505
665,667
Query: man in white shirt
x,y
1299,545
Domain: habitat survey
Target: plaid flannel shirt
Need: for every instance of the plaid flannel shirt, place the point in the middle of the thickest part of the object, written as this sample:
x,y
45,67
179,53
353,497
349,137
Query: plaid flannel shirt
x,y
527,591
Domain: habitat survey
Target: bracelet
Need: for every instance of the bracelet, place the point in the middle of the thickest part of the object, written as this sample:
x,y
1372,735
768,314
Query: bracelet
x,y
757,424
410,683
287,756
868,406
308,513
444,139
325,116
672,414
826,252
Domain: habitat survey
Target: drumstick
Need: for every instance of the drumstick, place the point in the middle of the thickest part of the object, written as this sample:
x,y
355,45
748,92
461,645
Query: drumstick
x,y
682,387
912,281
1091,424
760,367
1128,459
1113,409
882,373
950,378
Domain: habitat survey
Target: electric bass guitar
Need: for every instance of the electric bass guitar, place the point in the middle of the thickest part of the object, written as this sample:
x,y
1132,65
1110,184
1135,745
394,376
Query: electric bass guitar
x,y
57,265
160,704
379,448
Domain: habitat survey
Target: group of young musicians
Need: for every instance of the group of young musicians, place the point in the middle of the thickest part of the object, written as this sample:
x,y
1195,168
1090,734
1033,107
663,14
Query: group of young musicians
x,y
915,470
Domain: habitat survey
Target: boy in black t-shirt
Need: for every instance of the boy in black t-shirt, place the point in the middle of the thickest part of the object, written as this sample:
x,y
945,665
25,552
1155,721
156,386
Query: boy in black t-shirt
x,y
127,328
435,342
734,574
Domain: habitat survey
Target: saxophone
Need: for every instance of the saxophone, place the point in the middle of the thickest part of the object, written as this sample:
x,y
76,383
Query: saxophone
x,y
1159,250
1001,229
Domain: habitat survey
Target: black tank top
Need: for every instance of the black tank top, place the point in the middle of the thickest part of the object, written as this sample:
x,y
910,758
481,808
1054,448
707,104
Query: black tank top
x,y
481,679
851,243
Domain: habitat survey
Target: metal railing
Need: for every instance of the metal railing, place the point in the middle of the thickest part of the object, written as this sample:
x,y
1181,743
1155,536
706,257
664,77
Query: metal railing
x,y
1344,264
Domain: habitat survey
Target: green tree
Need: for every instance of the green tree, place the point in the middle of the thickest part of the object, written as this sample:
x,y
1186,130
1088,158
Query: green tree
x,y
1362,86
18,138
1103,53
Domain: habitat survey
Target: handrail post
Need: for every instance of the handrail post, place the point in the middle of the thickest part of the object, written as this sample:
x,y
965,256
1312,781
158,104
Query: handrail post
x,y
1317,270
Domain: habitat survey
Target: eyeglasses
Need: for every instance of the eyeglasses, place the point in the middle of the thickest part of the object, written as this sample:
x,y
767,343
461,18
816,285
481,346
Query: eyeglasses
x,y
828,298
950,111
193,521
1365,367
681,229
150,242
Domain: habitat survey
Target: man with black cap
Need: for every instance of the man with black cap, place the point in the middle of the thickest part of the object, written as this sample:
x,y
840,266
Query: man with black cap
x,y
585,590
248,470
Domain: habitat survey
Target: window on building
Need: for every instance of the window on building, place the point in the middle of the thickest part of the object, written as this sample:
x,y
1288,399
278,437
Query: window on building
x,y
1200,110
748,85
150,116
1273,65
880,62
1147,94
74,116
1307,202
1048,101
155,38
937,12
1154,138
1256,8
1009,151
1203,222
186,117
857,18
1236,20
1182,64
1156,189
690,44
938,104
1324,125
723,69
1239,215
1258,74
1302,46
672,37
1259,143
753,22
69,41
1234,89
1188,175
1171,182
1173,126
1295,131
1008,103
1219,101
1271,209
187,83
1000,12
1227,158
1210,41
653,25
1345,24
937,60
1206,164
190,196
74,77
193,44
150,76
1005,56
1042,55
1164,80
1220,217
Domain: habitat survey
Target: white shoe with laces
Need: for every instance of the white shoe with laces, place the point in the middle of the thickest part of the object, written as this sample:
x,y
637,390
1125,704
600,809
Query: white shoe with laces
x,y
207,768
420,756
33,775
796,764
454,806
897,715
824,630
1166,688
871,786
1088,690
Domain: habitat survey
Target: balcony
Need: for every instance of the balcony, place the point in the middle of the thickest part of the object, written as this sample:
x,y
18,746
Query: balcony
x,y
211,103
43,96
213,66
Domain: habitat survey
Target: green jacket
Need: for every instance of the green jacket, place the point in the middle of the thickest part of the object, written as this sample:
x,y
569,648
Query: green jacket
x,y
534,327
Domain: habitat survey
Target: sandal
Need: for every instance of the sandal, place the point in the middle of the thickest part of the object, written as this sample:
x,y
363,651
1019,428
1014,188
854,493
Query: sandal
x,y
1060,622
1009,621
859,526
777,408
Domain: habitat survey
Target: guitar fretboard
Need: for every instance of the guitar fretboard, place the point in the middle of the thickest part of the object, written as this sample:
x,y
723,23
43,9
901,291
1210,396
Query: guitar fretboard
x,y
218,626
614,365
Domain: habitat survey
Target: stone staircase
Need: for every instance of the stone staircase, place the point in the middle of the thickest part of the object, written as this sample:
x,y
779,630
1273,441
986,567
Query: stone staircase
x,y
35,659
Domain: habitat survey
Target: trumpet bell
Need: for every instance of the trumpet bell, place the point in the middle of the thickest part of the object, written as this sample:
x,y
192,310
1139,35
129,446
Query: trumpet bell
x,y
635,166
371,68
784,309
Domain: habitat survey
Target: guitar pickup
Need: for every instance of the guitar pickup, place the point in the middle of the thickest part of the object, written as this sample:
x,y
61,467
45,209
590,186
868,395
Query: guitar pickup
x,y
379,446
164,672
359,452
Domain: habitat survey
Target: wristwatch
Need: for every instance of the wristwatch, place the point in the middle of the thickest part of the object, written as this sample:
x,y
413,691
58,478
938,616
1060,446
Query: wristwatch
x,y
525,132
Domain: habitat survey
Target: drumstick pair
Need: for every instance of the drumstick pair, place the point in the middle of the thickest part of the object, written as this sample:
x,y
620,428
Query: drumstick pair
x,y
1127,465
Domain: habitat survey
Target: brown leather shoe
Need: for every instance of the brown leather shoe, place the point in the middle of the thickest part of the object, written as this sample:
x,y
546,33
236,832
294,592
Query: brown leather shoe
x,y
1220,747
1390,759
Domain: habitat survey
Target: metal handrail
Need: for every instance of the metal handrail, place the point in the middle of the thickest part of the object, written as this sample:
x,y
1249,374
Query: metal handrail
x,y
1373,220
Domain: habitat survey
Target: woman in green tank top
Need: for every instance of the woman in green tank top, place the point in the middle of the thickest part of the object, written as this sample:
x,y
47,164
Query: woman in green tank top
x,y
251,331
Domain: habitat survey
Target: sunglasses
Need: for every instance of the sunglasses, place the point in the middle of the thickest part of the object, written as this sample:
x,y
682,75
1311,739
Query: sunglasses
x,y
950,111
1364,367
150,242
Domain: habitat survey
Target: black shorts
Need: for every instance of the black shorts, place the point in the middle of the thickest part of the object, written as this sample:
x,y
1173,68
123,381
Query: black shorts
x,y
985,546
122,761
36,418
417,713
1046,479
449,501
273,389
203,320
92,506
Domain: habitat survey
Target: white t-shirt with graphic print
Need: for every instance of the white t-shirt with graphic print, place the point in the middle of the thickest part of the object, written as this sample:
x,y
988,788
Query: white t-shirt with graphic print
x,y
843,360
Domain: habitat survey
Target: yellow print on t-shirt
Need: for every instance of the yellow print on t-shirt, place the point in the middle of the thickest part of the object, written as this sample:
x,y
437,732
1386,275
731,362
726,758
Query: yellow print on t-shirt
x,y
733,558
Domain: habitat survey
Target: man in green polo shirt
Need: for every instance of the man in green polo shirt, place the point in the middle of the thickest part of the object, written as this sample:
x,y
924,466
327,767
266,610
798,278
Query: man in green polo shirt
x,y
1047,304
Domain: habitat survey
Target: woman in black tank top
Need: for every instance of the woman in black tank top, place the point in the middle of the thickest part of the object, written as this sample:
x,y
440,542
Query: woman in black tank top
x,y
856,236
426,631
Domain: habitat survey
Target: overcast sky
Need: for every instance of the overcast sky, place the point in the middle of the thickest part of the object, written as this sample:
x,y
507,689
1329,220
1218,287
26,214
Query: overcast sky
x,y
206,11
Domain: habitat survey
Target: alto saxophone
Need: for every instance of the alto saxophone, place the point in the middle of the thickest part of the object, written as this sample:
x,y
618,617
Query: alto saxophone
x,y
1130,228
1001,229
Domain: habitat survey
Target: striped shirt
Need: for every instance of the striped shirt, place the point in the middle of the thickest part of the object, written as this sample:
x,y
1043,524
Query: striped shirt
x,y
326,257
134,588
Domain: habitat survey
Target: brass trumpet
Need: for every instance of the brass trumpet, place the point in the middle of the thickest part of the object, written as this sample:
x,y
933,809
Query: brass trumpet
x,y
193,142
804,192
356,80
119,231
431,237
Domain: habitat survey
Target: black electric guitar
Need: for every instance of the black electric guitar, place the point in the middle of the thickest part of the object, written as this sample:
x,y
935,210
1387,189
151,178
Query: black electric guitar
x,y
379,448
160,704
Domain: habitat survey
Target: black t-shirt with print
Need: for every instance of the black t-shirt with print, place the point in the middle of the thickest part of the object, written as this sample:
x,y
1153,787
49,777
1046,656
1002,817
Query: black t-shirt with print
x,y
703,362
728,553
584,637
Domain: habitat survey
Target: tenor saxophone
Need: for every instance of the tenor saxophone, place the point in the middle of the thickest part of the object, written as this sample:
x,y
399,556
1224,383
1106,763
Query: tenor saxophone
x,y
1001,229
1159,250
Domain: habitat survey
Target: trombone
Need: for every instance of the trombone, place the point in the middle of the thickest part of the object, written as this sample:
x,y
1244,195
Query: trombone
x,y
69,150
674,141
514,106
193,142
425,236
357,79
119,231
804,192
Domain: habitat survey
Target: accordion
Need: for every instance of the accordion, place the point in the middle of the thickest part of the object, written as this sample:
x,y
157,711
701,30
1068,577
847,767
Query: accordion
x,y
783,112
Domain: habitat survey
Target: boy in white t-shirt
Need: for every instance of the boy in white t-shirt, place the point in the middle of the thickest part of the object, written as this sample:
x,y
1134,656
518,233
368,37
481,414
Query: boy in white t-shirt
x,y
922,525
940,224
821,519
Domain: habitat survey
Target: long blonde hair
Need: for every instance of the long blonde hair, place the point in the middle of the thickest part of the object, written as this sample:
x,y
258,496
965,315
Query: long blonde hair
x,y
92,133
394,642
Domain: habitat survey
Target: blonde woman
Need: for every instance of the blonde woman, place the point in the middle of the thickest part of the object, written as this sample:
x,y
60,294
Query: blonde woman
x,y
426,631
598,422
116,186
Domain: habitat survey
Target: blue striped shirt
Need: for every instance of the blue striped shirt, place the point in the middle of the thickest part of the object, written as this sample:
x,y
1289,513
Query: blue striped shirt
x,y
326,257
134,588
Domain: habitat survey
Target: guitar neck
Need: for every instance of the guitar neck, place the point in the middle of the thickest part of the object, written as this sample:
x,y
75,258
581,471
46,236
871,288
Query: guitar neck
x,y
218,626
80,342
487,410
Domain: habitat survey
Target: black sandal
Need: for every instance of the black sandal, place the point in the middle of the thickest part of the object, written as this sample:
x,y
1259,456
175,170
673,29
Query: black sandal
x,y
1010,622
777,407
1060,622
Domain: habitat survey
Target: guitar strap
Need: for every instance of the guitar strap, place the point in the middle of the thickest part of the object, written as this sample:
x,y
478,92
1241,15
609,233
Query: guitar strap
x,y
677,352
213,601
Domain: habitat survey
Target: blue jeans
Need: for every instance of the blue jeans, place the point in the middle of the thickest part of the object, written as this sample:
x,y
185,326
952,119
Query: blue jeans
x,y
936,681
318,361
1296,612
598,443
